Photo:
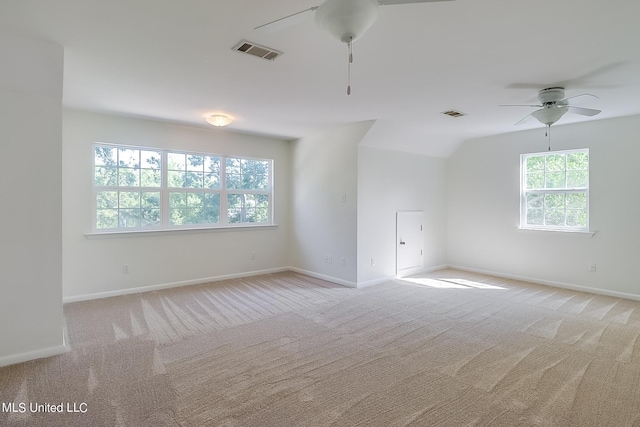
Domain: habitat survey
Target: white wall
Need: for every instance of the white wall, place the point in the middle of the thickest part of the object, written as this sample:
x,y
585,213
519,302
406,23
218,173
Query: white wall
x,y
31,193
392,181
324,208
483,209
94,265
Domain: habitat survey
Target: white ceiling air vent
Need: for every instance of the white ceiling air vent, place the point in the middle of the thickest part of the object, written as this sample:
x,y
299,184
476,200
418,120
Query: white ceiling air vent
x,y
454,113
257,50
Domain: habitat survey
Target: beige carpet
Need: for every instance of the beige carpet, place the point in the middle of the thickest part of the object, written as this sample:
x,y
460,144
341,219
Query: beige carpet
x,y
446,349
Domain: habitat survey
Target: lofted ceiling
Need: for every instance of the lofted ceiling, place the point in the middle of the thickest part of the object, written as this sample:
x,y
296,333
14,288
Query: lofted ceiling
x,y
172,60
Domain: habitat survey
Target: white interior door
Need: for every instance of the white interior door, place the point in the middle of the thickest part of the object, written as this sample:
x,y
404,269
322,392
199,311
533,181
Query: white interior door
x,y
409,243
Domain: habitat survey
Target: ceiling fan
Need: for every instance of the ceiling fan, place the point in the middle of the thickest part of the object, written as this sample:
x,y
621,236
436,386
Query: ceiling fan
x,y
553,105
346,20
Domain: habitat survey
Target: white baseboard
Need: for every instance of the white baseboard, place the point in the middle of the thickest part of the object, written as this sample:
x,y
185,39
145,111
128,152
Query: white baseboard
x,y
374,282
161,286
555,284
32,355
331,279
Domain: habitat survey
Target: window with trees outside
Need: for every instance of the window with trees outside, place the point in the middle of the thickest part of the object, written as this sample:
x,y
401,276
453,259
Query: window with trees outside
x,y
555,190
138,189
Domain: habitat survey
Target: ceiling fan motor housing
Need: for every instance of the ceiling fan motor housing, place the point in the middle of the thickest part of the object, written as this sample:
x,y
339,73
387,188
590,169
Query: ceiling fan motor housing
x,y
550,95
346,20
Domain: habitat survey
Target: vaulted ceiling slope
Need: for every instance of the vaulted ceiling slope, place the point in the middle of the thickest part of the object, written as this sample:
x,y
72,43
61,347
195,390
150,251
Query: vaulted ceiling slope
x,y
173,60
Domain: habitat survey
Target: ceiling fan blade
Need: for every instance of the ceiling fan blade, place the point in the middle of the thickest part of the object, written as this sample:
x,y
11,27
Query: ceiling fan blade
x,y
392,2
523,120
284,22
573,98
519,105
583,111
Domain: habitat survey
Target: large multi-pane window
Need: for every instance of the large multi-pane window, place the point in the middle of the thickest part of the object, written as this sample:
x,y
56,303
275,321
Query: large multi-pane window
x,y
146,189
555,190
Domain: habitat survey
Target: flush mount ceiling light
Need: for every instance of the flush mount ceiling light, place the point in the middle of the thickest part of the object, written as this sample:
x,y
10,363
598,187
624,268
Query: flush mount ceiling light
x,y
219,120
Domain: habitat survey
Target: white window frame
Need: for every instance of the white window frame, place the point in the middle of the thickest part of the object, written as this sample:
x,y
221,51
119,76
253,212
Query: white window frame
x,y
165,190
543,191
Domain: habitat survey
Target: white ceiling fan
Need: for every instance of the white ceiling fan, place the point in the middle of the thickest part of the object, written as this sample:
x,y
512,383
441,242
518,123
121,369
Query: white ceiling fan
x,y
553,105
346,20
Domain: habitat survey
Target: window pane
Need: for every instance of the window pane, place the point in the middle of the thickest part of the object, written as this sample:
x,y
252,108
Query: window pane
x,y
151,159
211,215
128,177
193,180
576,200
577,218
577,179
212,164
535,164
177,200
177,161
177,216
234,181
175,179
129,199
578,161
212,180
555,180
195,199
106,218
535,217
554,217
107,199
554,201
150,217
535,200
233,166
150,178
150,200
106,176
105,156
129,218
535,180
555,162
128,158
193,216
195,163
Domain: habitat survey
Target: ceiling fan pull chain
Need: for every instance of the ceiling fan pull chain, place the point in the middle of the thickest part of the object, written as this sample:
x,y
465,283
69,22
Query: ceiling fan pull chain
x,y
350,46
548,134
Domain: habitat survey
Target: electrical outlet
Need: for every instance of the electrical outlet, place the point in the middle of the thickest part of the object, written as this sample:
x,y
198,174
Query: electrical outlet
x,y
343,261
253,256
592,268
125,268
373,262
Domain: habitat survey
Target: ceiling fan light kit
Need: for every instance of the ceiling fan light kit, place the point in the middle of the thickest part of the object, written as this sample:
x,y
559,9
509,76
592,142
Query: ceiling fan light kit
x,y
346,20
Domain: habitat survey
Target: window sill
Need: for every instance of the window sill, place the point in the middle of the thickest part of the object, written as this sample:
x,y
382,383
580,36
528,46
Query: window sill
x,y
173,231
558,232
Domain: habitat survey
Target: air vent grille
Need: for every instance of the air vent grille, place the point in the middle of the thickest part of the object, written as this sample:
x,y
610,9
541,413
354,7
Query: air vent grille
x,y
454,113
263,52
